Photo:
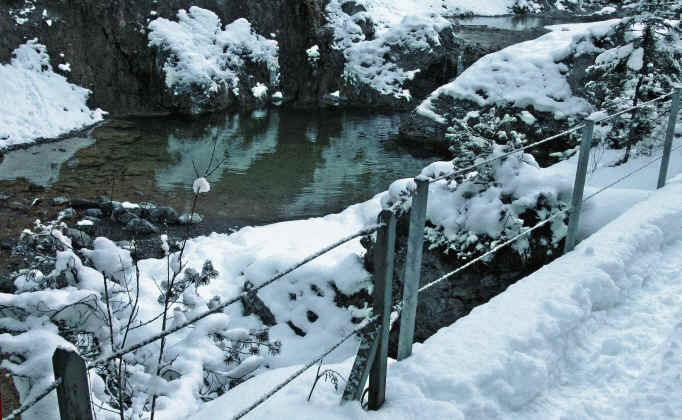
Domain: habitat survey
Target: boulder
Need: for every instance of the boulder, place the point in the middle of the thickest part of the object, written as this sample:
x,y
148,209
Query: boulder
x,y
140,226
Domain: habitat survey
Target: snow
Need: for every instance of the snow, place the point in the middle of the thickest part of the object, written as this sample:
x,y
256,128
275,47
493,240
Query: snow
x,y
39,103
259,91
201,185
313,54
526,74
595,334
205,54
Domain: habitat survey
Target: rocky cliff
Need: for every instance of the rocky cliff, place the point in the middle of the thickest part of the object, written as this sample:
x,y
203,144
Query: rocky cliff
x,y
106,43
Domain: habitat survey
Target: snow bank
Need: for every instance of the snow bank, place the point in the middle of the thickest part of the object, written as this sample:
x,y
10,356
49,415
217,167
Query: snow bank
x,y
204,54
515,357
530,73
38,103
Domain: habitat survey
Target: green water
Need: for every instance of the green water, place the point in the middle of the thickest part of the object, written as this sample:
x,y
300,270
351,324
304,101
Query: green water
x,y
278,165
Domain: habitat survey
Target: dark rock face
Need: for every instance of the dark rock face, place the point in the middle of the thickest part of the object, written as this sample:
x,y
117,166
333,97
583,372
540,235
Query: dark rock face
x,y
444,303
105,41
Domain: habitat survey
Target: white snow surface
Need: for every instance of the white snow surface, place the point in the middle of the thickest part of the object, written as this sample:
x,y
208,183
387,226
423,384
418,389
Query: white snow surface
x,y
528,73
593,335
205,54
37,102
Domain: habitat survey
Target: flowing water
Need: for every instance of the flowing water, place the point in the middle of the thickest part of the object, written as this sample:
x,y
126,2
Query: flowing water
x,y
278,165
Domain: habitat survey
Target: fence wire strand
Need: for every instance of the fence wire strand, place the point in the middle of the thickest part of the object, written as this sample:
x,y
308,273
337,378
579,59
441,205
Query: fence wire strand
x,y
632,108
245,293
492,251
629,174
502,156
295,375
28,404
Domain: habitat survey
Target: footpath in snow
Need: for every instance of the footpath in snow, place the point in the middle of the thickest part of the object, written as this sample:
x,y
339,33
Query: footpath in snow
x,y
595,334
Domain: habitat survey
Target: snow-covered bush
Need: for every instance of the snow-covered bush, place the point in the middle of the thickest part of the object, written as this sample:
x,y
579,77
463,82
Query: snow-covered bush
x,y
210,66
471,214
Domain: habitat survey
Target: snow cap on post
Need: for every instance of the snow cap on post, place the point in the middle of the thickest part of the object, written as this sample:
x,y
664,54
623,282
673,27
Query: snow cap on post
x,y
201,186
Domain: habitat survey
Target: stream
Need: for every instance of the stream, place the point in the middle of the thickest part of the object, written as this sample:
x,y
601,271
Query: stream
x,y
278,164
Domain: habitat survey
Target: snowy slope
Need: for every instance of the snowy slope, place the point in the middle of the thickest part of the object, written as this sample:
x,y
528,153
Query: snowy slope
x,y
36,102
589,336
528,73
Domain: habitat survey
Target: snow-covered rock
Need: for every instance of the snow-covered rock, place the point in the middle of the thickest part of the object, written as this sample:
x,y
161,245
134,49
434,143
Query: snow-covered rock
x,y
208,67
37,102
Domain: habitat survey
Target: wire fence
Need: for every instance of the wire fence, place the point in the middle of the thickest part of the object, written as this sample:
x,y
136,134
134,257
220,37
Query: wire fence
x,y
391,236
33,401
222,306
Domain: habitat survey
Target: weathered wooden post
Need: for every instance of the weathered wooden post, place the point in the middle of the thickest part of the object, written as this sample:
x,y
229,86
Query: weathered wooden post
x,y
672,121
369,340
383,279
579,185
73,393
460,65
413,265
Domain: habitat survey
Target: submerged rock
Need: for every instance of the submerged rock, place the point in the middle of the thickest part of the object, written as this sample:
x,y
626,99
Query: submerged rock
x,y
59,201
194,219
67,214
163,215
140,226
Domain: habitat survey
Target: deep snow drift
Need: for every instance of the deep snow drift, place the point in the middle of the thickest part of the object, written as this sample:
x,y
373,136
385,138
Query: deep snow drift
x,y
39,103
595,334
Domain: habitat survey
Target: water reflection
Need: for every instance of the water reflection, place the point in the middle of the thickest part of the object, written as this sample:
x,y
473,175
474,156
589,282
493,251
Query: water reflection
x,y
513,23
278,164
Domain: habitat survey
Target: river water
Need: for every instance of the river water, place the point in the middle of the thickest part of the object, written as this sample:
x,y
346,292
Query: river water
x,y
278,164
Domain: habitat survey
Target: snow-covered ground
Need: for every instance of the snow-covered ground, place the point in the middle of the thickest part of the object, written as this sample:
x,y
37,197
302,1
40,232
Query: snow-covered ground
x,y
255,253
37,102
528,73
595,334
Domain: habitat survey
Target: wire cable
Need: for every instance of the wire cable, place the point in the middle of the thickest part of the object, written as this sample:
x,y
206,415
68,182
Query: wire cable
x,y
492,251
245,293
28,404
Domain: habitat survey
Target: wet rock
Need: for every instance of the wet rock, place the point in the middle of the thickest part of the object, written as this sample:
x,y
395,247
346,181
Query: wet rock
x,y
79,239
59,201
163,215
83,204
194,219
67,214
7,244
94,213
36,188
18,205
36,201
140,226
351,8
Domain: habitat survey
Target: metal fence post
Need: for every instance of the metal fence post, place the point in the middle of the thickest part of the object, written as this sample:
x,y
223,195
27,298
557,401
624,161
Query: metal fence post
x,y
672,120
383,279
579,186
73,393
460,65
413,265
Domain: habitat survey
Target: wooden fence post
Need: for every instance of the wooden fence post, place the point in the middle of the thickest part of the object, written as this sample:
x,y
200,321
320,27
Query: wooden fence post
x,y
383,279
73,393
672,120
413,265
579,186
